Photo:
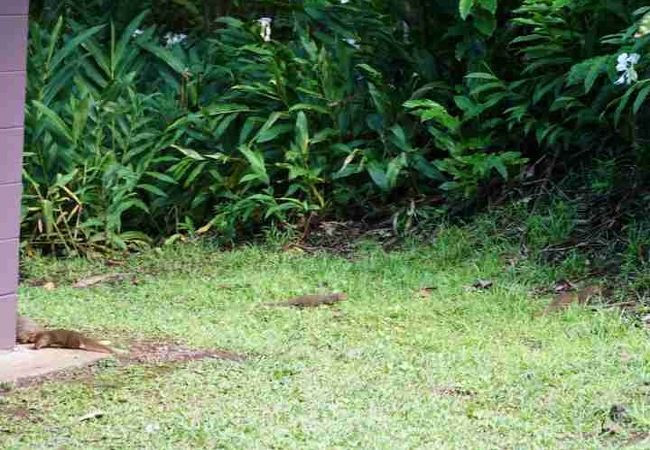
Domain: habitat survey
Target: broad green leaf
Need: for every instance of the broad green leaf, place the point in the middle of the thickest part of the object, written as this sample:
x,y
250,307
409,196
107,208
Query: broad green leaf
x,y
274,117
194,174
464,103
485,23
371,72
256,161
529,38
394,168
490,5
153,189
324,135
642,10
54,122
80,118
72,45
486,87
427,169
398,137
54,38
309,107
622,104
378,175
127,36
248,128
193,154
465,8
302,133
482,76
165,56
500,167
100,59
225,108
430,110
272,133
379,99
643,94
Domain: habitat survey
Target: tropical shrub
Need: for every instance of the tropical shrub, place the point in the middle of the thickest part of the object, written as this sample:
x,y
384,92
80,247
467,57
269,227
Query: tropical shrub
x,y
204,115
91,140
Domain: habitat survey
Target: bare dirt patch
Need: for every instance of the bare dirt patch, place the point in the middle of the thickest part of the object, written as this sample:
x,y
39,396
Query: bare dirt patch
x,y
452,391
149,353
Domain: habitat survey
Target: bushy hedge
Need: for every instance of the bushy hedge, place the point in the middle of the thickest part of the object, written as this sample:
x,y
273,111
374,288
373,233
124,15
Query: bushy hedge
x,y
184,118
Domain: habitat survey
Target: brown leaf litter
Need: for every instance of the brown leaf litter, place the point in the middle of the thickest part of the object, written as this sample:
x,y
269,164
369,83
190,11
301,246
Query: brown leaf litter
x,y
452,391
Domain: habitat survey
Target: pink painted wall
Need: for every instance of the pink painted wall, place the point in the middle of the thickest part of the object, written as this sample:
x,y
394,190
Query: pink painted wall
x,y
13,38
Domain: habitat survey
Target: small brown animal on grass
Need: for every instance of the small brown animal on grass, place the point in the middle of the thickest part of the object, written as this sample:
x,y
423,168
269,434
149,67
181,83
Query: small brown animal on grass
x,y
67,339
312,301
565,299
26,329
29,332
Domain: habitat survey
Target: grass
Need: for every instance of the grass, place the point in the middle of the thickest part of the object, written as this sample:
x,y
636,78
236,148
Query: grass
x,y
379,374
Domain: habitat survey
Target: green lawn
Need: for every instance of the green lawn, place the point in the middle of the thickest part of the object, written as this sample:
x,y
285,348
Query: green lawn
x,y
391,369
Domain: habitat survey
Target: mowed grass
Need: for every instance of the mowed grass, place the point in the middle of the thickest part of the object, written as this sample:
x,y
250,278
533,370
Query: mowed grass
x,y
389,368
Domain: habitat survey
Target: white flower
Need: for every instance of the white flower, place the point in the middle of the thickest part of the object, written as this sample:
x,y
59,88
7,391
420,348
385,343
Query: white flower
x,y
174,38
138,32
352,42
343,2
625,59
625,65
265,33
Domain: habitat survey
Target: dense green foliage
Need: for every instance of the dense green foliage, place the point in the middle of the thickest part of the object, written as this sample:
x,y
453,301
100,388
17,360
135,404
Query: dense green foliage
x,y
358,109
